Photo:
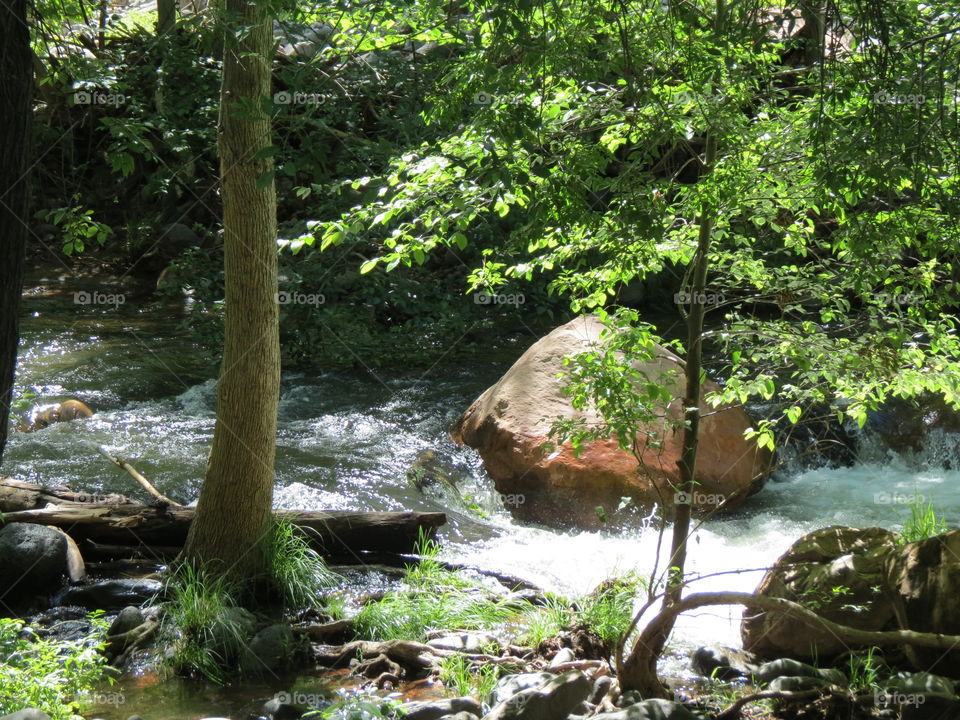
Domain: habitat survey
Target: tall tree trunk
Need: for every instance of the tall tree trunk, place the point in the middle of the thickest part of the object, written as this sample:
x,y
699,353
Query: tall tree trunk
x,y
16,96
233,514
639,671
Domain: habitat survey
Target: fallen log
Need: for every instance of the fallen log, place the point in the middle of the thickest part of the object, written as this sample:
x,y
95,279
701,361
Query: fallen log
x,y
338,534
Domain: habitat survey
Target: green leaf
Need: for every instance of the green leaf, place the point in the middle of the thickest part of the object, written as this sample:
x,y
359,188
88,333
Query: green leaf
x,y
368,266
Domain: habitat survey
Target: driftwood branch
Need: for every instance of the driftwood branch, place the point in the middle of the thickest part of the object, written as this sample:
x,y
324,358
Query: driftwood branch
x,y
144,483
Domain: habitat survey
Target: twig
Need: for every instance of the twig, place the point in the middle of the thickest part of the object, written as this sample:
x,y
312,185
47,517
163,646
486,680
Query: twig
x,y
144,483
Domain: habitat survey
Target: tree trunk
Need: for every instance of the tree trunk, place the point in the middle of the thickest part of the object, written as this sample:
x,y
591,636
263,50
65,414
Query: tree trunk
x,y
639,672
166,17
233,517
16,96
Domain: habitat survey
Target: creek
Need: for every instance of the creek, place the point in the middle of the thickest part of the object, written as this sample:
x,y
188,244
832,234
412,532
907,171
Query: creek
x,y
346,441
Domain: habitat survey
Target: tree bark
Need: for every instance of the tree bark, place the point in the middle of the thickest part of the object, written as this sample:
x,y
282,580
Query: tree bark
x,y
233,518
16,96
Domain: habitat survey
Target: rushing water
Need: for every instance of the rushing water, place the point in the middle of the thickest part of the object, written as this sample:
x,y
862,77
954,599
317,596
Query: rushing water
x,y
346,441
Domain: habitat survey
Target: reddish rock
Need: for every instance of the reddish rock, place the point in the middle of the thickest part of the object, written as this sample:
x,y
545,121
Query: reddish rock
x,y
509,425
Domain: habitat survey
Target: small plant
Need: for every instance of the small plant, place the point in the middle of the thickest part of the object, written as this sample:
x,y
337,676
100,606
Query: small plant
x,y
357,706
203,617
78,227
924,522
548,620
466,678
865,669
608,610
297,570
58,677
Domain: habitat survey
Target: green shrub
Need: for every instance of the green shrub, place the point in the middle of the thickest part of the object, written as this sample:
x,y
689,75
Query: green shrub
x,y
56,676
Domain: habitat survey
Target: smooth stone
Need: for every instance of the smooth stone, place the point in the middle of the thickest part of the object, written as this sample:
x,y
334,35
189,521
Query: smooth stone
x,y
268,651
722,663
112,594
26,714
798,683
786,667
510,685
555,699
564,655
436,709
33,558
126,620
653,709
471,642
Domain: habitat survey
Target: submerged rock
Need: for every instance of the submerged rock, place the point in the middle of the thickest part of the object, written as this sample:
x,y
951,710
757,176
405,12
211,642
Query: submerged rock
x,y
112,594
268,651
510,422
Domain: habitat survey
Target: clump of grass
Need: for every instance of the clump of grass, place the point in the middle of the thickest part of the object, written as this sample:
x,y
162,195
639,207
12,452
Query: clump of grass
x,y
296,570
467,678
56,676
924,522
431,597
608,610
203,616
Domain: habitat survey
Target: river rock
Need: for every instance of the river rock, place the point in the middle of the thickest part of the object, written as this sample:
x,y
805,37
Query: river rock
x,y
33,560
26,714
126,620
924,578
268,651
808,573
788,667
467,641
230,635
555,699
436,709
112,594
510,685
722,663
509,425
653,709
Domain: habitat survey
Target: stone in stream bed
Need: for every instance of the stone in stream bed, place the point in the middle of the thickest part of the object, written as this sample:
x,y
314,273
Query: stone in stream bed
x,y
26,714
722,663
33,560
553,700
654,709
510,685
437,709
111,594
268,652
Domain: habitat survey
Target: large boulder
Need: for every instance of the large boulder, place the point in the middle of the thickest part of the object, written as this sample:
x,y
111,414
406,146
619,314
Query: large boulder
x,y
33,560
924,582
839,572
509,425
